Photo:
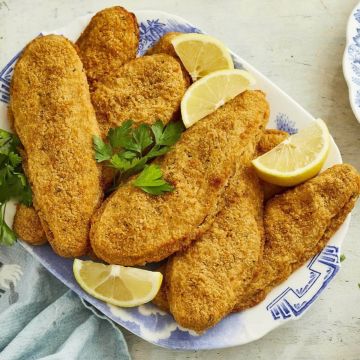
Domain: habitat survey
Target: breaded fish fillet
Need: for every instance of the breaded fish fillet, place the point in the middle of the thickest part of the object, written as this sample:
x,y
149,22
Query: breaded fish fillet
x,y
144,90
164,46
205,281
55,122
133,227
268,141
109,41
298,224
27,225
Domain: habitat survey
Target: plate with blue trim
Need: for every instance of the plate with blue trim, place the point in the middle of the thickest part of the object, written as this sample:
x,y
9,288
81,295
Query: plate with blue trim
x,y
351,60
286,302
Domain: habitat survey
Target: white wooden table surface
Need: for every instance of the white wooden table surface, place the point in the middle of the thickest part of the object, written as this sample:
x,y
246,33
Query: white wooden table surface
x,y
298,45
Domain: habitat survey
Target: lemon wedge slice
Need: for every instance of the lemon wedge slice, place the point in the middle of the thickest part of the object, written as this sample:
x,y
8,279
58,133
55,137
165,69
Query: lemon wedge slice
x,y
201,54
298,158
212,91
115,284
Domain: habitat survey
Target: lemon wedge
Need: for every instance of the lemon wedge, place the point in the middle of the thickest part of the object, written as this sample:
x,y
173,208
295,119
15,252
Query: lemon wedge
x,y
201,54
115,284
212,91
298,158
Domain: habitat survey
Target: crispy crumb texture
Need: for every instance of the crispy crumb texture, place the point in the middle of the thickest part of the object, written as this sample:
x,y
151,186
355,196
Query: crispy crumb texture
x,y
132,227
55,122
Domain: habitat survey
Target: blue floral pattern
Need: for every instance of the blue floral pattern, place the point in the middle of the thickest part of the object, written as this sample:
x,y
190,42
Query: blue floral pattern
x,y
152,30
285,124
352,63
322,268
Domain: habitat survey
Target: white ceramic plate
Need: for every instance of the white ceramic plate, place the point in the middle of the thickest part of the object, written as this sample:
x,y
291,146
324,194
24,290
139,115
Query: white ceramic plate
x,y
351,60
286,302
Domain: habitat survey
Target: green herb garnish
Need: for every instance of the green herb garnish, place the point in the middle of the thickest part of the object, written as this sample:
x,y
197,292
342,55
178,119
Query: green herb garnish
x,y
151,181
13,183
342,257
128,149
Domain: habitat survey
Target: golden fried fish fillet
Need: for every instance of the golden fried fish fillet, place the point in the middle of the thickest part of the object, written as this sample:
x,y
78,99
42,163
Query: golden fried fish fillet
x,y
145,89
55,122
133,227
268,141
161,300
298,224
164,46
205,281
109,41
27,225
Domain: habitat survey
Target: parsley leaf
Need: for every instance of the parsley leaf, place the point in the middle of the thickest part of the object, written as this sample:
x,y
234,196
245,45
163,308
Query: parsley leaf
x,y
151,181
14,158
142,138
13,183
7,236
157,151
157,129
342,257
128,149
168,135
103,151
121,135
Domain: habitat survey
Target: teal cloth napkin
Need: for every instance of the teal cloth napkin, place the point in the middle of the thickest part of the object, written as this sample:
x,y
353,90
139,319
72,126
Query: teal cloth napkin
x,y
41,319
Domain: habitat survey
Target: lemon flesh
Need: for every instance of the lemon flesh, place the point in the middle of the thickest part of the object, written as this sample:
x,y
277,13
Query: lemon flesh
x,y
115,284
201,54
212,91
296,159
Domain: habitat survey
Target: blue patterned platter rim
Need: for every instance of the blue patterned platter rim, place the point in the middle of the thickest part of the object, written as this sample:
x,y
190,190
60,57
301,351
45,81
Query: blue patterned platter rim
x,y
286,302
351,60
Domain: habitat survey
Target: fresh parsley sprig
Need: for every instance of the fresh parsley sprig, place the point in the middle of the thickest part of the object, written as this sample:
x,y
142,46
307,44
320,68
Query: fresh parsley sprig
x,y
128,149
151,181
13,183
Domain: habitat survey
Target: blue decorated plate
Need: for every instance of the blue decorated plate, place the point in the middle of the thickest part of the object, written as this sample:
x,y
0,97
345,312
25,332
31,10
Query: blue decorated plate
x,y
286,302
351,60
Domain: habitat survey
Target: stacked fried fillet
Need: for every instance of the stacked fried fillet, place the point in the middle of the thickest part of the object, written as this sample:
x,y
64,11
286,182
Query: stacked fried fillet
x,y
229,237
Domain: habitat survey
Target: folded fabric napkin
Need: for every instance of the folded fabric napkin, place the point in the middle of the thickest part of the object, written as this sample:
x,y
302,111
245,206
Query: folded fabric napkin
x,y
41,319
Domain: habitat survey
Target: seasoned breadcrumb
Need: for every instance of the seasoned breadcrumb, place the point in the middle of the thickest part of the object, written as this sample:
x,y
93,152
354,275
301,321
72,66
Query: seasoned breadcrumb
x,y
205,281
55,122
27,225
133,227
145,89
109,41
164,46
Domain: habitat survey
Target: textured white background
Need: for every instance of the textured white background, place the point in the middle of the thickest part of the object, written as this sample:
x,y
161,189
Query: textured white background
x,y
299,46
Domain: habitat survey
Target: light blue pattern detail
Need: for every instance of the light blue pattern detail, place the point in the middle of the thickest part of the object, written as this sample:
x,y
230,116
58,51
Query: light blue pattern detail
x,y
5,78
285,124
152,30
356,38
357,15
293,302
357,97
354,58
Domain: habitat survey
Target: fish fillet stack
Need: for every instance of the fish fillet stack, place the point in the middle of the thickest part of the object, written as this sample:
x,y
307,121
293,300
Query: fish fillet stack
x,y
229,238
